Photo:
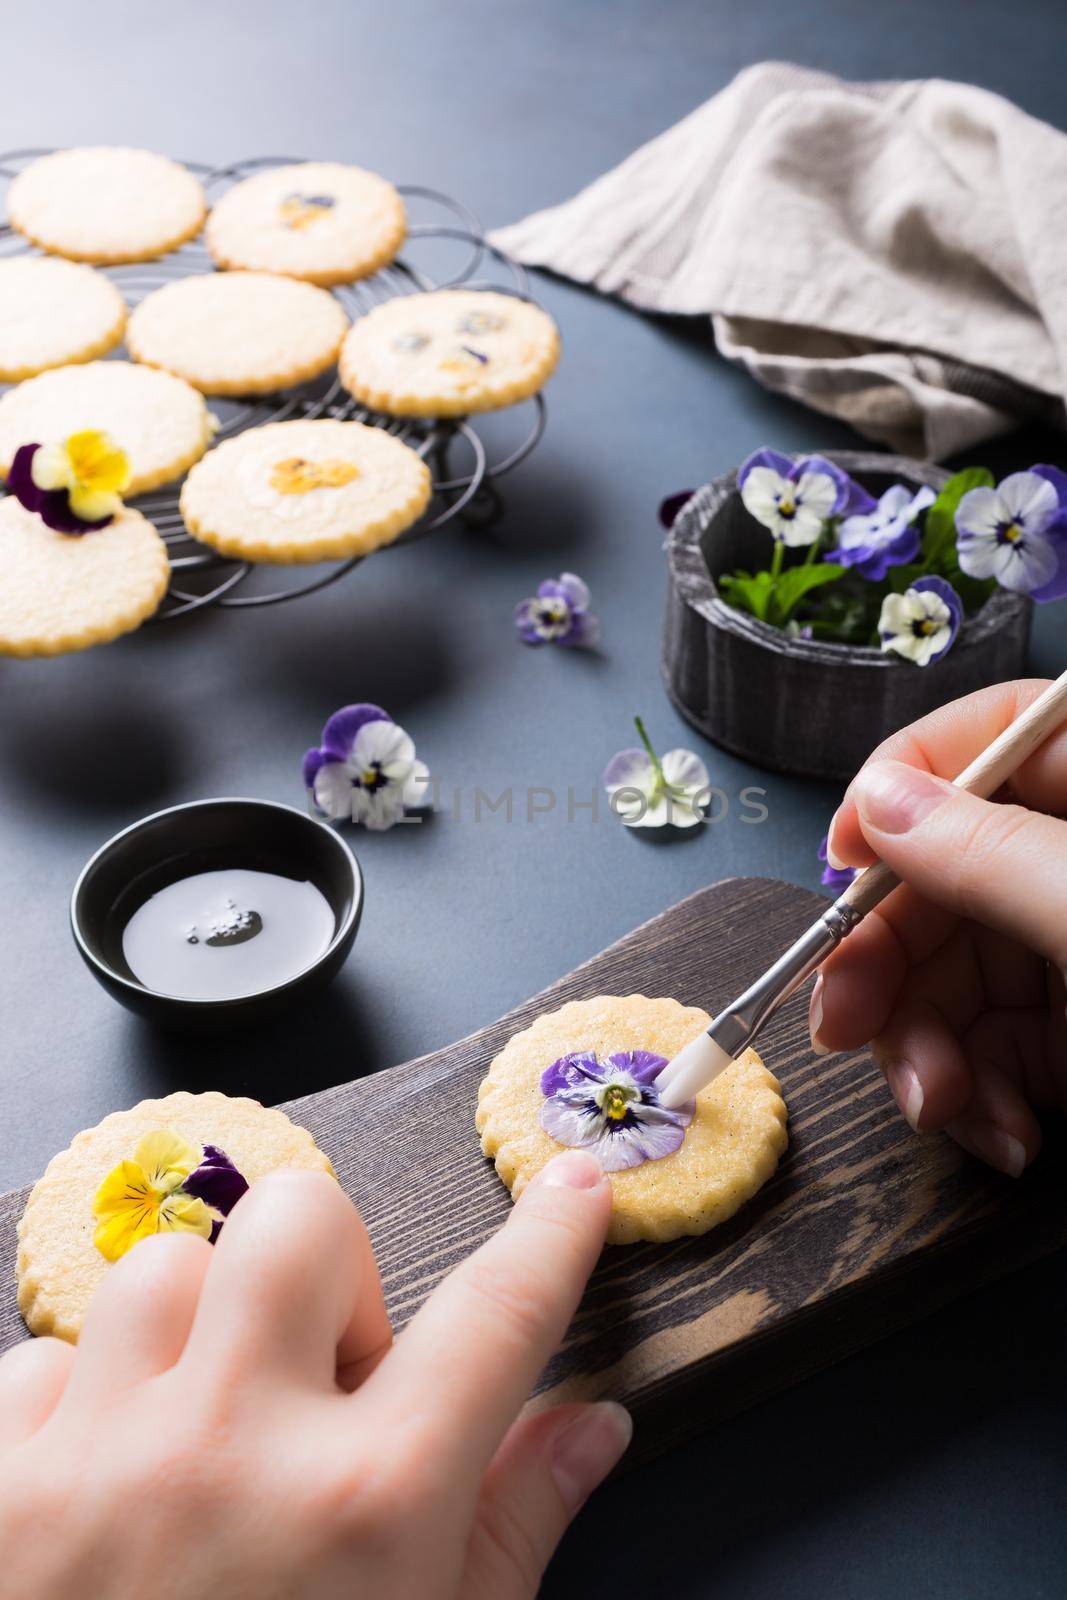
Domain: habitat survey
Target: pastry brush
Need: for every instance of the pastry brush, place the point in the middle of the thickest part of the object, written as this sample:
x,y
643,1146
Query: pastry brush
x,y
701,1061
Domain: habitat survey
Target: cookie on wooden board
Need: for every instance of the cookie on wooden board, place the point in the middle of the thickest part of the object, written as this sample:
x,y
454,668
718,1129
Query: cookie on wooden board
x,y
318,220
305,491
238,333
587,1073
67,1218
161,423
53,312
449,353
106,204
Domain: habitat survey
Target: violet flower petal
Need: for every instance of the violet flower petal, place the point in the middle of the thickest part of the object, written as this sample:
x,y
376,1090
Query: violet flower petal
x,y
947,593
671,507
216,1181
642,1065
570,1071
339,734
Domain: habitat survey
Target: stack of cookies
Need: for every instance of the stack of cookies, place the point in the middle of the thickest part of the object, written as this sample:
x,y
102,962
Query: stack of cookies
x,y
287,492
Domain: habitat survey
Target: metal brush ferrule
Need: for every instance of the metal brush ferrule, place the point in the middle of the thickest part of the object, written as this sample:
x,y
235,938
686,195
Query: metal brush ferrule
x,y
736,1027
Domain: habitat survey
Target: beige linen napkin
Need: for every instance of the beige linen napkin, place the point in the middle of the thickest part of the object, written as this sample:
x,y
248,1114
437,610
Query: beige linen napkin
x,y
889,253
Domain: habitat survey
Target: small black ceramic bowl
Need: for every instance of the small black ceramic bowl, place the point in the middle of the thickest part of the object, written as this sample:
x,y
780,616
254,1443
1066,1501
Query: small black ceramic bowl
x,y
206,836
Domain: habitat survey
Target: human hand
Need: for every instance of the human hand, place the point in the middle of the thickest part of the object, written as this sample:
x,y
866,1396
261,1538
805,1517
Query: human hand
x,y
236,1421
957,979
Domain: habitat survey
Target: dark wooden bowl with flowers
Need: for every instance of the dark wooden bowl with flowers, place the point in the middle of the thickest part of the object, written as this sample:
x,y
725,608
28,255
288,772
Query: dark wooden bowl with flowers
x,y
819,603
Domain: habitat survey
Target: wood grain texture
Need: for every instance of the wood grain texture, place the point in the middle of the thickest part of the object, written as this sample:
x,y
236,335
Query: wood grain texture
x,y
863,1228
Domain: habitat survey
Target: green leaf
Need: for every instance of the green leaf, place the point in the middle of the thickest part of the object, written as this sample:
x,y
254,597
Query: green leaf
x,y
795,583
749,592
939,531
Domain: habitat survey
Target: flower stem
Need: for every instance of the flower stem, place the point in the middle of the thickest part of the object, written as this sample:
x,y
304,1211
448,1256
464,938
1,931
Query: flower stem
x,y
652,756
777,558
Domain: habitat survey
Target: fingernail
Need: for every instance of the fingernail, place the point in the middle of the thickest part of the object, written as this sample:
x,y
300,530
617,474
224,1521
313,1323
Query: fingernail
x,y
574,1169
587,1449
906,1089
815,1019
895,798
991,1145
831,854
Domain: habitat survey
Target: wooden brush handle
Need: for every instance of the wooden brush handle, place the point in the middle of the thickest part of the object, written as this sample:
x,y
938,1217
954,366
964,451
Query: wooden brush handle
x,y
985,775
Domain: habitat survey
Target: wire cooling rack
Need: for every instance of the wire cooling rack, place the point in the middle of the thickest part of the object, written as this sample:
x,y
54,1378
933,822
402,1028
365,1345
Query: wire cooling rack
x,y
464,468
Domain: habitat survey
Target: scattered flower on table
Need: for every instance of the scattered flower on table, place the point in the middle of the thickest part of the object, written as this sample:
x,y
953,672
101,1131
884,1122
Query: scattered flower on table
x,y
874,541
794,499
1017,533
612,1108
74,487
558,614
365,770
649,791
170,1186
835,878
922,623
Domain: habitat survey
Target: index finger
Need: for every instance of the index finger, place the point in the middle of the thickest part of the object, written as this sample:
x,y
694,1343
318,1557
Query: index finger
x,y
947,741
469,1358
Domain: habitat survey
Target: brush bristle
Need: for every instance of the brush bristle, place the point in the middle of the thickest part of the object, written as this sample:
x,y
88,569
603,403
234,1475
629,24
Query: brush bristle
x,y
692,1069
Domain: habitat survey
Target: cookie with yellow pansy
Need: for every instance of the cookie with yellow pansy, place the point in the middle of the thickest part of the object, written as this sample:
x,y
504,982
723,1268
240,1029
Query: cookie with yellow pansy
x,y
585,1077
238,333
305,491
178,1164
77,567
106,204
53,312
317,220
161,424
449,353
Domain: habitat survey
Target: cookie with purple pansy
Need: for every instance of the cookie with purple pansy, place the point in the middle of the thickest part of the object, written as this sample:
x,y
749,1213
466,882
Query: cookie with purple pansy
x,y
584,1077
173,1165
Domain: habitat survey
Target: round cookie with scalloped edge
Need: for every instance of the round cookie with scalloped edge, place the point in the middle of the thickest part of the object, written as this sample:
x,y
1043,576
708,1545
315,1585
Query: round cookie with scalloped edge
x,y
238,333
106,204
161,423
53,312
449,353
59,1267
730,1148
293,492
318,220
61,592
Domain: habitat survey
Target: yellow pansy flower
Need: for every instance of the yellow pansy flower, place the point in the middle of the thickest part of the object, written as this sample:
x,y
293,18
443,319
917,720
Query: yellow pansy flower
x,y
142,1196
92,469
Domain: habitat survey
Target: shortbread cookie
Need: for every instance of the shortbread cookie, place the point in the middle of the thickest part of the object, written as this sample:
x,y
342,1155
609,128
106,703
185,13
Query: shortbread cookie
x,y
305,491
59,1264
61,591
449,353
160,422
604,1099
319,220
53,312
238,333
106,205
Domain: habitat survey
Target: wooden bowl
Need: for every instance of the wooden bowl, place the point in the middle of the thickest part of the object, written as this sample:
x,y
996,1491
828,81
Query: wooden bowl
x,y
807,706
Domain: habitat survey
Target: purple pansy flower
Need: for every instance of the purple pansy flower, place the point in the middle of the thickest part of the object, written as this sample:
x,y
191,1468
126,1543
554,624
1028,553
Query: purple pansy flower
x,y
612,1108
558,614
1017,533
794,498
874,541
835,878
922,623
218,1183
51,505
365,769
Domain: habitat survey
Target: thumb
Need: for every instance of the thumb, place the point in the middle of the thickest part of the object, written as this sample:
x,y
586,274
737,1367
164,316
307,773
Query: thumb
x,y
543,1473
1000,865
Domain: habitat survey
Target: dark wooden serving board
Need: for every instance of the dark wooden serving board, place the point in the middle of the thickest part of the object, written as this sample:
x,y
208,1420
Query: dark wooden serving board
x,y
864,1228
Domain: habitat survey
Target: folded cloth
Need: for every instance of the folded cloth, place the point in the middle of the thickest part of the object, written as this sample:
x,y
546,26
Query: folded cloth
x,y
889,253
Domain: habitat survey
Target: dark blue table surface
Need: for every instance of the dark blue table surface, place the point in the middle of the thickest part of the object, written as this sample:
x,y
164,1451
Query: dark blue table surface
x,y
931,1465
